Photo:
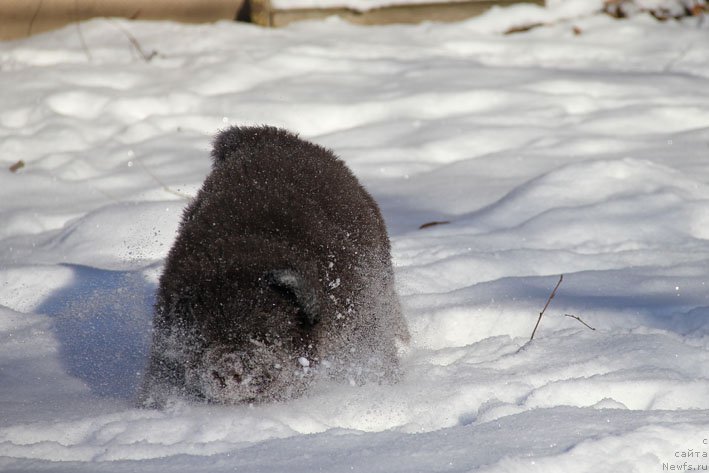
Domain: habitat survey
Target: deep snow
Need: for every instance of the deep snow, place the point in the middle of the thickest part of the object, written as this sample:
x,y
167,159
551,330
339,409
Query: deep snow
x,y
577,148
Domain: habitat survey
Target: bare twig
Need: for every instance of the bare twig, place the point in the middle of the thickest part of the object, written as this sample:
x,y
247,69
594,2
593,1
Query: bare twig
x,y
524,28
77,22
84,46
432,224
136,45
34,17
551,296
164,186
17,166
579,319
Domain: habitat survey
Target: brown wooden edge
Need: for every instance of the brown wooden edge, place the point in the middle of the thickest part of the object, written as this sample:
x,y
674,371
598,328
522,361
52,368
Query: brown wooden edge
x,y
263,13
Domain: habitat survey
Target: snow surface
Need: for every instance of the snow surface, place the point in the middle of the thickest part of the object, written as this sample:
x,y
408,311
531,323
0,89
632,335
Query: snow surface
x,y
556,7
357,5
549,152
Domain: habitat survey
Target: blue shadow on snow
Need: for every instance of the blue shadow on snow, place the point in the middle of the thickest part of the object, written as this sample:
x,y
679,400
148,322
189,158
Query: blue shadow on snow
x,y
102,320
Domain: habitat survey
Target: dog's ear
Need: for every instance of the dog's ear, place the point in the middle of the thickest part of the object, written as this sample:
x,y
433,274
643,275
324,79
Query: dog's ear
x,y
294,285
227,143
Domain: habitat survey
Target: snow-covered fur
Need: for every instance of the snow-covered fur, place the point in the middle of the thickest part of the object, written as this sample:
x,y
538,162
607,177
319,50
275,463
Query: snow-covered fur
x,y
281,273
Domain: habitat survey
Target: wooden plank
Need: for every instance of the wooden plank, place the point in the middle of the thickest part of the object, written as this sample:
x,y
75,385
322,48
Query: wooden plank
x,y
264,14
20,18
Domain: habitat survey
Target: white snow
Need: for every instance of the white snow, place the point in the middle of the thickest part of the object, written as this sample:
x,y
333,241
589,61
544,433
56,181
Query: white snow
x,y
555,5
357,5
579,148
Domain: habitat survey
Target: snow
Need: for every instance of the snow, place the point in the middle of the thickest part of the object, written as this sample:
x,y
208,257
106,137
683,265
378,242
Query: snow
x,y
556,6
578,148
357,5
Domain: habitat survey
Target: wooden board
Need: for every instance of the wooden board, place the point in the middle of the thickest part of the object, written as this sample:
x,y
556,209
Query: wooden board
x,y
21,18
263,14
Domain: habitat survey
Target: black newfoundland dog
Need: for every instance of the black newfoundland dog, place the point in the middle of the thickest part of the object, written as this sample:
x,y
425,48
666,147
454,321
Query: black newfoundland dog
x,y
281,273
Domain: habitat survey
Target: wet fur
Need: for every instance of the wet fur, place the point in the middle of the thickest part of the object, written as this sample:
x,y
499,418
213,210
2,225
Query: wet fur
x,y
281,272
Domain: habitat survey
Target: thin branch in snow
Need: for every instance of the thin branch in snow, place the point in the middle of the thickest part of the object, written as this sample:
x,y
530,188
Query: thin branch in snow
x,y
551,296
579,319
433,224
134,42
84,46
164,186
82,40
17,166
524,28
34,17
671,63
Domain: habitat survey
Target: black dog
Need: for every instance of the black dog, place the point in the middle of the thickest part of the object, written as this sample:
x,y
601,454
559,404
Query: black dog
x,y
281,272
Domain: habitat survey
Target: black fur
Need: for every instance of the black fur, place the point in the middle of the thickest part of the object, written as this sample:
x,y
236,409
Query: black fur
x,y
281,272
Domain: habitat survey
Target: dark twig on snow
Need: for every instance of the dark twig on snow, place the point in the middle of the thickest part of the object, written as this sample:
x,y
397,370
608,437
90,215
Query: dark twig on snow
x,y
524,28
134,42
34,17
551,296
165,187
17,166
82,40
579,319
432,224
77,22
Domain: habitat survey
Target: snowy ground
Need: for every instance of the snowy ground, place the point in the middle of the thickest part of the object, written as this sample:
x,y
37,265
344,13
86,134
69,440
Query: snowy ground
x,y
579,148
